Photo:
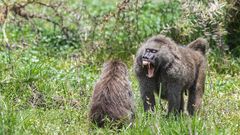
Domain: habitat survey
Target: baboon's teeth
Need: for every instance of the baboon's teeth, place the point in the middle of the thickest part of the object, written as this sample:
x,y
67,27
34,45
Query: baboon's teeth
x,y
150,70
145,62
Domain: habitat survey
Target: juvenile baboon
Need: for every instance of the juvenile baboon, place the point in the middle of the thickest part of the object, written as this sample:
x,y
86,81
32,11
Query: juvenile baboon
x,y
112,97
177,68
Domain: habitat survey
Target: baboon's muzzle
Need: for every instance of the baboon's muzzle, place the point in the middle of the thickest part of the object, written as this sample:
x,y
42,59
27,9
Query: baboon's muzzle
x,y
150,67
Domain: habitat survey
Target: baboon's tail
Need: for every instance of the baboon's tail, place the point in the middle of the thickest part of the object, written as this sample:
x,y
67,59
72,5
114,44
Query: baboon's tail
x,y
200,45
97,118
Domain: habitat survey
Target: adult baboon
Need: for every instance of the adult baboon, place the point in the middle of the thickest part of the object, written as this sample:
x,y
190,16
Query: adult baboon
x,y
177,68
112,97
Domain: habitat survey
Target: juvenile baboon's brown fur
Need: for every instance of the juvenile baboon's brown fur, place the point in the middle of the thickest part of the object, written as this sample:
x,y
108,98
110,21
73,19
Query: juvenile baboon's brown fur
x,y
177,68
112,97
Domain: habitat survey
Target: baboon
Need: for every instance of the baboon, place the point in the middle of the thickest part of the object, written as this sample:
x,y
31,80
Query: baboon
x,y
112,97
177,68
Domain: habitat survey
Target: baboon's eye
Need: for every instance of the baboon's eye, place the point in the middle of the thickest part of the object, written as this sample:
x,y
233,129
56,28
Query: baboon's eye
x,y
154,51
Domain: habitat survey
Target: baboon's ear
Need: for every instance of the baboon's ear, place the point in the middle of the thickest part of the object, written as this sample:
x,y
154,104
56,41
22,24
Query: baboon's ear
x,y
139,60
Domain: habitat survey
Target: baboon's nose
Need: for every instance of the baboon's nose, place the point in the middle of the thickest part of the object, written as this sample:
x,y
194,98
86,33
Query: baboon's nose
x,y
144,57
148,56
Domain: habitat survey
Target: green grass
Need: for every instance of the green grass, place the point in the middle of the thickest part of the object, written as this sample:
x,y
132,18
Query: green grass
x,y
71,79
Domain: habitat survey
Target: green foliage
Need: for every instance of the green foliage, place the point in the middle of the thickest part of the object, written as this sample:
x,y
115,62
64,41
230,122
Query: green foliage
x,y
233,27
223,63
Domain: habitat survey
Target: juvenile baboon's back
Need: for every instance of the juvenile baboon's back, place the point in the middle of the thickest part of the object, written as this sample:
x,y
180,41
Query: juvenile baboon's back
x,y
112,97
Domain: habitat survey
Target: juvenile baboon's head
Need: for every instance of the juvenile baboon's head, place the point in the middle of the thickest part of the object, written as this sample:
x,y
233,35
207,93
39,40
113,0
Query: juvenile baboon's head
x,y
114,67
157,53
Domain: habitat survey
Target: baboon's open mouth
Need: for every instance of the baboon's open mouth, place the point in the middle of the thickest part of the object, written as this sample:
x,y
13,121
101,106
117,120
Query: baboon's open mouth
x,y
150,68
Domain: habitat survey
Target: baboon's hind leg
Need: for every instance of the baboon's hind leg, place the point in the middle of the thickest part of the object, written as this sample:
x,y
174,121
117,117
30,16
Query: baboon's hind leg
x,y
181,109
196,92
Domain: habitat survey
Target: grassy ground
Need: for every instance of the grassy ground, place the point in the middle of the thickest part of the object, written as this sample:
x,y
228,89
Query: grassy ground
x,y
42,94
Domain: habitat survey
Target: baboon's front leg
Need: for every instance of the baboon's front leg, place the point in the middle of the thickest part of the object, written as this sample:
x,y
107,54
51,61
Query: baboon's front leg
x,y
174,98
148,100
147,88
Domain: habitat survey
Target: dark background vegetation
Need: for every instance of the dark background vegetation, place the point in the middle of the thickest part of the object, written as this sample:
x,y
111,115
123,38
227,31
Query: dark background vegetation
x,y
51,53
